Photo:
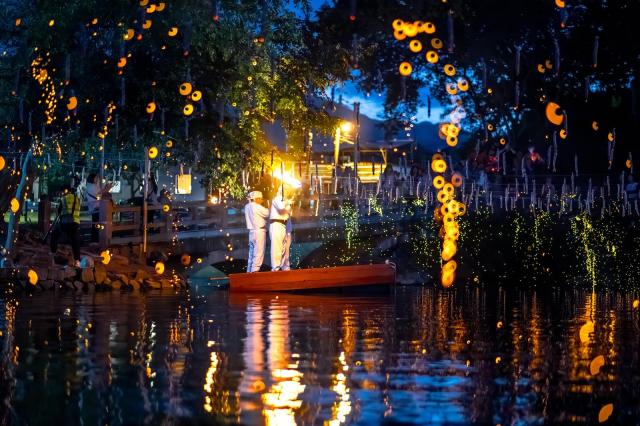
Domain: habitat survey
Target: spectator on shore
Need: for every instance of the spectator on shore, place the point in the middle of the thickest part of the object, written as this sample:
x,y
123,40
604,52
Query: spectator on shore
x,y
94,192
68,223
631,188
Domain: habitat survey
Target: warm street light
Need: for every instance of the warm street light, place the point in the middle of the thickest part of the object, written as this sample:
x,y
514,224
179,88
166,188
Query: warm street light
x,y
346,126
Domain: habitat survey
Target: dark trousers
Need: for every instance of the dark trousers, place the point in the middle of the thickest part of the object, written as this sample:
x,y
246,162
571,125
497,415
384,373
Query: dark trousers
x,y
95,232
72,232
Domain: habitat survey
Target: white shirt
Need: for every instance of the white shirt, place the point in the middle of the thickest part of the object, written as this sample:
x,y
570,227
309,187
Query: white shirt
x,y
256,216
278,206
93,196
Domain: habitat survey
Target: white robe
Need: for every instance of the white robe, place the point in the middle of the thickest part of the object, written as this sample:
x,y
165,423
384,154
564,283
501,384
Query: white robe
x,y
280,234
256,219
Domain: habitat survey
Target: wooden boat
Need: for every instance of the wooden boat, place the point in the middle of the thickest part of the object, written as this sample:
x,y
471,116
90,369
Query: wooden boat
x,y
341,277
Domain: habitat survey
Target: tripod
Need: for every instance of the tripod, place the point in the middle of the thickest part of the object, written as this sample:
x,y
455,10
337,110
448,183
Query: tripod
x,y
55,221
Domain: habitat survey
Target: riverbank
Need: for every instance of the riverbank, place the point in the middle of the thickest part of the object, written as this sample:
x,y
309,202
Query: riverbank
x,y
119,268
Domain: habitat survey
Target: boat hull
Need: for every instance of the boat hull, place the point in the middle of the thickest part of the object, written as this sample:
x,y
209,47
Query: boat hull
x,y
341,277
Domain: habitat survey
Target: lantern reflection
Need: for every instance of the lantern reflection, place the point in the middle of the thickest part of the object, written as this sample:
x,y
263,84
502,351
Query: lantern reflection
x,y
281,399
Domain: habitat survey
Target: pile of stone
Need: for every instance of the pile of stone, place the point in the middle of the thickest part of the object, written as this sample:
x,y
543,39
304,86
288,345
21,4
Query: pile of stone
x,y
122,271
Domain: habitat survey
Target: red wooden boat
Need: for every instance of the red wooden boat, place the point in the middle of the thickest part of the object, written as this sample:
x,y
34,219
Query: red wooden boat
x,y
315,279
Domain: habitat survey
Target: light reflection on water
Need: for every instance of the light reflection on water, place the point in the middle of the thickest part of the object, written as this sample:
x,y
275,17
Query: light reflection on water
x,y
420,356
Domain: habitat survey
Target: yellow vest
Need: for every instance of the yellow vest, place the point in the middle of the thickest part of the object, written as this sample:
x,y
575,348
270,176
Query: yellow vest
x,y
68,205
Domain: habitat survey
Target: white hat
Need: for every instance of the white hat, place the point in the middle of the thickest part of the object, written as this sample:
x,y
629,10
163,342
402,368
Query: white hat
x,y
255,194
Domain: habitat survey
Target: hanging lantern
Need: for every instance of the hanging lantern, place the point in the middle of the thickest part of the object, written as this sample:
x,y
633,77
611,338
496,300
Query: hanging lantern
x,y
352,10
410,30
463,85
183,183
72,103
449,70
438,182
432,57
429,27
151,107
14,205
415,46
397,24
196,96
399,35
173,31
32,276
153,152
439,166
187,110
405,69
159,268
106,257
185,89
554,113
185,259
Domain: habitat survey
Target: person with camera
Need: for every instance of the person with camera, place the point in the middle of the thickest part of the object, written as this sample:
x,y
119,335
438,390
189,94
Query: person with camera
x,y
68,223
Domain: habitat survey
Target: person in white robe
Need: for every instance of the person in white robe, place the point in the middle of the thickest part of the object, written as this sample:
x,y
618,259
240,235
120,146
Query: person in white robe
x,y
256,217
280,229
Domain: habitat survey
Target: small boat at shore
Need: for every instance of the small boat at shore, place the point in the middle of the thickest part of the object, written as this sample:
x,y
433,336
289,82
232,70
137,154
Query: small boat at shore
x,y
340,277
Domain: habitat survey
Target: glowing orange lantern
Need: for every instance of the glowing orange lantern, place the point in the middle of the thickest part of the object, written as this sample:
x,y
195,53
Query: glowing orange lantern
x,y
438,182
436,43
397,24
429,27
415,46
432,57
153,152
32,276
439,166
554,113
399,35
72,103
450,70
456,179
185,89
405,69
463,85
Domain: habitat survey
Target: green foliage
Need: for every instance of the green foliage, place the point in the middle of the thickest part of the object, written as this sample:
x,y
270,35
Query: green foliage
x,y
253,65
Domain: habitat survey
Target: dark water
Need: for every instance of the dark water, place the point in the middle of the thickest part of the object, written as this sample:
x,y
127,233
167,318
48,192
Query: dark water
x,y
420,356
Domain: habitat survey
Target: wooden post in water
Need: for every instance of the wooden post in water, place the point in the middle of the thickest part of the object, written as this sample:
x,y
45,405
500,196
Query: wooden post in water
x,y
145,207
106,223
